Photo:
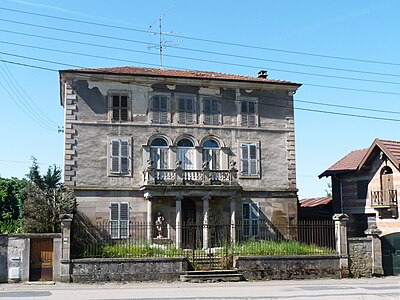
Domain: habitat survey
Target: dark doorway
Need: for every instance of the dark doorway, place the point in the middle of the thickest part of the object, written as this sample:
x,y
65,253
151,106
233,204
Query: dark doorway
x,y
41,260
391,254
189,223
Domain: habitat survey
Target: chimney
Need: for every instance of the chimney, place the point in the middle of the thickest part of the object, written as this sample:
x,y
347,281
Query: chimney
x,y
262,74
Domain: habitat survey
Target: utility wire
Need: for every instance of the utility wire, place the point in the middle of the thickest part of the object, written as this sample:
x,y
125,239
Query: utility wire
x,y
206,40
188,58
31,106
265,104
173,67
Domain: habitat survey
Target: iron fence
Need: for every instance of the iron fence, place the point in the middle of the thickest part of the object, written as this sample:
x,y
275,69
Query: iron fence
x,y
196,241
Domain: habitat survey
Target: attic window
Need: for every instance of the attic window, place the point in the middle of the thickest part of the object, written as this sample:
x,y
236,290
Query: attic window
x,y
119,108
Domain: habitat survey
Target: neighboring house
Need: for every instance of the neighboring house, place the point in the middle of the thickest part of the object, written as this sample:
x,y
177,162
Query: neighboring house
x,y
365,185
190,146
319,208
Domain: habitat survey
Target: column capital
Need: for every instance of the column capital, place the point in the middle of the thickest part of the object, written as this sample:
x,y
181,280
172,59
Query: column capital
x,y
206,198
147,196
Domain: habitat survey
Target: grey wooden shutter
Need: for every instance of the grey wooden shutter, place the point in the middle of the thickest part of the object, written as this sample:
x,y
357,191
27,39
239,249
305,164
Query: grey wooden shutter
x,y
181,111
189,110
124,157
253,157
124,108
215,112
114,159
207,111
244,158
163,110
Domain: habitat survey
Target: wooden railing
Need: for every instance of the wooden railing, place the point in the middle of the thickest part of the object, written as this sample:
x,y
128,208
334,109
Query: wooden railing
x,y
189,177
385,198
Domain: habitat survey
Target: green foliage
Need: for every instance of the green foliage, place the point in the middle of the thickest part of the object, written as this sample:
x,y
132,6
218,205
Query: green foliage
x,y
12,196
46,199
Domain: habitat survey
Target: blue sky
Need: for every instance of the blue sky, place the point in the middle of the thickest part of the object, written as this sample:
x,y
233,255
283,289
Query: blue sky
x,y
344,52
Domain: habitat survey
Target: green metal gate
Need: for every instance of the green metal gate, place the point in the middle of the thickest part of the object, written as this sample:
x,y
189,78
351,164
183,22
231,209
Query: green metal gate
x,y
391,253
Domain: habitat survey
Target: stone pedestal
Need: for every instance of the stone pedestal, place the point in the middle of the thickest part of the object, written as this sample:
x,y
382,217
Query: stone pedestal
x,y
341,242
376,252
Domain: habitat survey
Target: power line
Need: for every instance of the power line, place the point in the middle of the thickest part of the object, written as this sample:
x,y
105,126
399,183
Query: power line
x,y
207,40
266,104
183,57
31,106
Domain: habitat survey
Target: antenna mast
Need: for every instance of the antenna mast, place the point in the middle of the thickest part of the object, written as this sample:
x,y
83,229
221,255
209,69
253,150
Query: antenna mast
x,y
162,43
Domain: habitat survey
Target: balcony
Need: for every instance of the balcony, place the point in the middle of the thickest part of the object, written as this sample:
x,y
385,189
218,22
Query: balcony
x,y
180,176
384,199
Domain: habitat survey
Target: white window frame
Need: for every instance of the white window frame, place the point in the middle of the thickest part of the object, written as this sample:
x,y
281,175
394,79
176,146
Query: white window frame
x,y
247,119
185,116
213,117
119,220
251,225
111,95
118,156
161,116
252,164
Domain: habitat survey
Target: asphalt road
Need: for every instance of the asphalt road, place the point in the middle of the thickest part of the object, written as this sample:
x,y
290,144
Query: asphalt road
x,y
372,288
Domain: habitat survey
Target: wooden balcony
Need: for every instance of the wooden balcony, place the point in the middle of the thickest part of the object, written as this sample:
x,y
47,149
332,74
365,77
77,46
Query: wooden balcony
x,y
384,199
179,176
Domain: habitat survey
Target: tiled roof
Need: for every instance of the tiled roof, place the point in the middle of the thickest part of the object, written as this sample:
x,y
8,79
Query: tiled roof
x,y
357,158
347,163
393,147
311,202
127,70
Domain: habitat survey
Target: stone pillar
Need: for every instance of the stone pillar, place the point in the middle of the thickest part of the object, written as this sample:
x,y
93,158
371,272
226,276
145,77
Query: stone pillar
x,y
341,243
149,224
206,205
233,219
178,223
65,269
376,254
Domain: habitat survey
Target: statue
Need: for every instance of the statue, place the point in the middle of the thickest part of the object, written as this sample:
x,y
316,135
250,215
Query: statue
x,y
159,225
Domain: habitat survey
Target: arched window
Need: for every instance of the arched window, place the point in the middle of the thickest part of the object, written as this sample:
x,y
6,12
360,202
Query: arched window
x,y
186,154
159,153
211,154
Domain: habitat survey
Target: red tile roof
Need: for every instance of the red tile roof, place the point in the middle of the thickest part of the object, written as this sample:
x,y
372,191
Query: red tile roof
x,y
311,202
127,70
393,147
355,159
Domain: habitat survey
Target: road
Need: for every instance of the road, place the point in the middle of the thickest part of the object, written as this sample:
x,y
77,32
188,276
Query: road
x,y
371,288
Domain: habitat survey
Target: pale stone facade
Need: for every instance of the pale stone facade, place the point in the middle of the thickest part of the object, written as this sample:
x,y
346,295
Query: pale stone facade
x,y
193,146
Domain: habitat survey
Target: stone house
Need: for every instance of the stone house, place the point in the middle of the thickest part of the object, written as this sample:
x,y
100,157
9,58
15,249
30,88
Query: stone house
x,y
365,185
186,146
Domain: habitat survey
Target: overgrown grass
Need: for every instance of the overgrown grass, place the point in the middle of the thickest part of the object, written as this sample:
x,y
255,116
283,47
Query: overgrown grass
x,y
10,226
273,248
247,248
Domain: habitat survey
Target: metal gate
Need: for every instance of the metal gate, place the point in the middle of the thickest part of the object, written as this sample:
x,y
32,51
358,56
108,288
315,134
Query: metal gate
x,y
214,256
41,260
391,254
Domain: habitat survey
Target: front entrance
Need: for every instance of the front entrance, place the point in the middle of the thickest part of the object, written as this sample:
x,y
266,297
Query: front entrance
x,y
41,260
391,254
189,224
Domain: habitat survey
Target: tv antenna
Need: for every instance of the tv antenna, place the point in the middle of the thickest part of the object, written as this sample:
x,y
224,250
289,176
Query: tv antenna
x,y
162,43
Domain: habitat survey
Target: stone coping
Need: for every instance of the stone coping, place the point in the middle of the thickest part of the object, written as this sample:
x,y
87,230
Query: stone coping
x,y
288,257
33,235
133,259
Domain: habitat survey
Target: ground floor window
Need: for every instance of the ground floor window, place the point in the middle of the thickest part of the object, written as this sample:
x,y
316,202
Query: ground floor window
x,y
250,220
119,220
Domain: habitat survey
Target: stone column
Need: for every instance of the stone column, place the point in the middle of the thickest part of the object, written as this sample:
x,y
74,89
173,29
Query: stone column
x,y
341,243
149,231
233,219
65,269
376,254
206,205
178,222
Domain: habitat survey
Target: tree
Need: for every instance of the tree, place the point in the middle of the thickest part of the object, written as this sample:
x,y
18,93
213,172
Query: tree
x,y
12,195
46,198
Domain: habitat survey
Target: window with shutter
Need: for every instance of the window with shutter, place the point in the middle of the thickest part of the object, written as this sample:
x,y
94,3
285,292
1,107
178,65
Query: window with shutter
x,y
159,108
250,218
186,110
119,220
248,113
120,156
249,159
211,111
119,107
